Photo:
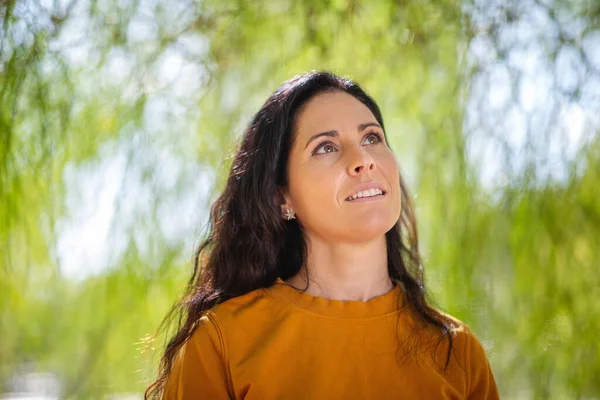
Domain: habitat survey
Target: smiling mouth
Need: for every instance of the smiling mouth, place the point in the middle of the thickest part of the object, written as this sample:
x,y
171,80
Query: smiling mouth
x,y
375,196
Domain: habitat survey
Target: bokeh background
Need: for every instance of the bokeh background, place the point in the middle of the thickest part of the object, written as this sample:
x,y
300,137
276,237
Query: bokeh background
x,y
117,124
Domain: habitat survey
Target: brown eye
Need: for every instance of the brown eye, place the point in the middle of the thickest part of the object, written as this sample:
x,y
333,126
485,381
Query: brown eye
x,y
324,145
374,138
328,146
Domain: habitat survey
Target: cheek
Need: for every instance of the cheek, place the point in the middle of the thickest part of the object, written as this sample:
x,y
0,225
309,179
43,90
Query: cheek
x,y
392,172
388,163
395,172
312,185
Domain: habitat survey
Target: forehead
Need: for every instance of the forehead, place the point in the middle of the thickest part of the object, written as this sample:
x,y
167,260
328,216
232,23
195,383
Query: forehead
x,y
332,110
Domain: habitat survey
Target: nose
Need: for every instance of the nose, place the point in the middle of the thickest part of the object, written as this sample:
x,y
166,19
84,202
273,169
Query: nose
x,y
360,160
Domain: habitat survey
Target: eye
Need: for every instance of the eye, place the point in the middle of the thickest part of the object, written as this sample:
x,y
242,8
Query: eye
x,y
324,145
374,137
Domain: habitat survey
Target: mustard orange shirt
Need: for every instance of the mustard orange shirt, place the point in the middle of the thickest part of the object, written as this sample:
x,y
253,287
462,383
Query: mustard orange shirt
x,y
281,343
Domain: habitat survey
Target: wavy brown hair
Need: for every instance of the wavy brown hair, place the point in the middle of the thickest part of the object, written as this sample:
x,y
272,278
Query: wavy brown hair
x,y
249,244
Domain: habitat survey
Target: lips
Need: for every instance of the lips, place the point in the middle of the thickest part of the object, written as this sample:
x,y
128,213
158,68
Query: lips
x,y
368,187
365,194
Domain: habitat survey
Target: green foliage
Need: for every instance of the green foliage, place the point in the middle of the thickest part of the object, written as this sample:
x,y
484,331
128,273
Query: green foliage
x,y
169,87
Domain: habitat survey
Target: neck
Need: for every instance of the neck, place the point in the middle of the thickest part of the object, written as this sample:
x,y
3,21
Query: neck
x,y
345,271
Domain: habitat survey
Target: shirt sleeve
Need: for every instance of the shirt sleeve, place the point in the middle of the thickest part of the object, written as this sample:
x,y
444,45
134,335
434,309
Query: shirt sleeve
x,y
482,384
200,369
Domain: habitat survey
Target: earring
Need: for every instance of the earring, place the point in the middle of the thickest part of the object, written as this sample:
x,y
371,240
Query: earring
x,y
289,214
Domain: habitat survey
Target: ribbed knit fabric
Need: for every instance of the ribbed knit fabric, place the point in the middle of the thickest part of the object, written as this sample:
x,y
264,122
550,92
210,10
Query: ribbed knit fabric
x,y
280,343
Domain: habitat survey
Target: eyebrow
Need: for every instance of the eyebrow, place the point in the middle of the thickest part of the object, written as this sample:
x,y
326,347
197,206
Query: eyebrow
x,y
334,133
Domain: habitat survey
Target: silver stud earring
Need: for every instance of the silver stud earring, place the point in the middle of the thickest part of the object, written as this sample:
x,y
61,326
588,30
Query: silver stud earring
x,y
289,214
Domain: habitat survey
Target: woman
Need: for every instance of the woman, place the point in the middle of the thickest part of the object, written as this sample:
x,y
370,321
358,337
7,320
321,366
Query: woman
x,y
310,284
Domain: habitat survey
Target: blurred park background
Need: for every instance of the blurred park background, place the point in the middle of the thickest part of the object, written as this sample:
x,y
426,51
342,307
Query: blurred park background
x,y
117,123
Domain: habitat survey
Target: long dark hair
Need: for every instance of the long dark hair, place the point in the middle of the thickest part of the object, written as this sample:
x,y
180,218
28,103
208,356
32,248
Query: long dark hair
x,y
249,244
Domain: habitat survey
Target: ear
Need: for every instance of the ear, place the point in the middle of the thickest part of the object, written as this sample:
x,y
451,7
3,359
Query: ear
x,y
283,199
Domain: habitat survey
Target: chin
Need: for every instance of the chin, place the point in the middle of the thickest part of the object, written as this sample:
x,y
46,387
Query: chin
x,y
371,227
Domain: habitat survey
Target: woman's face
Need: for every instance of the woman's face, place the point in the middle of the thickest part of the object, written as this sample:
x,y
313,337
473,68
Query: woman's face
x,y
338,147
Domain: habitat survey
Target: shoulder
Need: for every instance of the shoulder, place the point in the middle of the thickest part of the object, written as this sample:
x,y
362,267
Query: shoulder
x,y
457,347
466,345
251,309
470,359
244,304
230,322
